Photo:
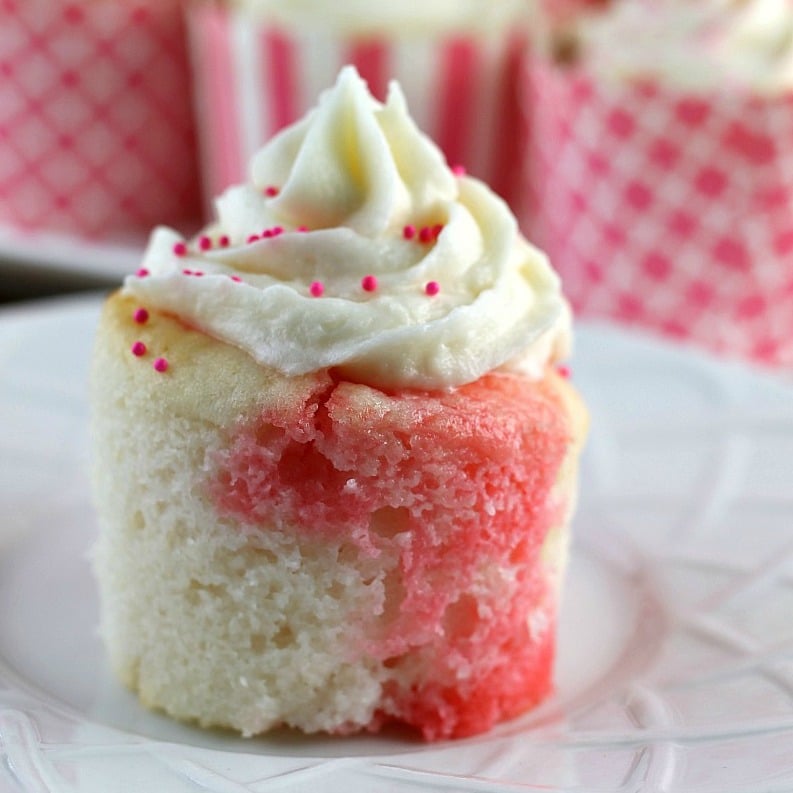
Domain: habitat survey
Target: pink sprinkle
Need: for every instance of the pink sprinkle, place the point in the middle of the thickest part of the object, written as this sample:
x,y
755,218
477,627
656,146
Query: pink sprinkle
x,y
198,272
236,279
369,283
160,365
253,238
432,288
276,230
204,243
425,235
180,249
142,272
141,316
302,228
563,371
409,232
138,349
267,233
187,272
436,230
458,170
271,191
317,288
224,241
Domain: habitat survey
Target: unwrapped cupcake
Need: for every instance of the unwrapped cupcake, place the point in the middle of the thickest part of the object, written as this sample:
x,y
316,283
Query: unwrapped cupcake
x,y
335,461
660,180
259,65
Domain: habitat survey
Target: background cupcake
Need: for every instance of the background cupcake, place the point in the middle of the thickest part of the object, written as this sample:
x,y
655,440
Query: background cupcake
x,y
661,168
96,132
260,64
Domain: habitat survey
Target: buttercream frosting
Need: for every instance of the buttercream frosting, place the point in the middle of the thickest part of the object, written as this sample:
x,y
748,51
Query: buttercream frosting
x,y
696,44
386,16
355,247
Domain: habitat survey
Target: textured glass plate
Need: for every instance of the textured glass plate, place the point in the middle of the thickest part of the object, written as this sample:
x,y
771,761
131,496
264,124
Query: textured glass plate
x,y
675,668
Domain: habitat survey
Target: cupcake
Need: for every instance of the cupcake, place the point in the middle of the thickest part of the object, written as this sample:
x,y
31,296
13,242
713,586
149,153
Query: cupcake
x,y
96,131
334,454
259,64
658,179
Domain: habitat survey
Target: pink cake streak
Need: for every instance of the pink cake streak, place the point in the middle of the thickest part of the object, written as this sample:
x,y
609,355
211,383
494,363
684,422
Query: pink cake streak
x,y
426,477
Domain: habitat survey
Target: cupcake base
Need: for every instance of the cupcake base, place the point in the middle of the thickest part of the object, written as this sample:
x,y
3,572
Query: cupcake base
x,y
321,554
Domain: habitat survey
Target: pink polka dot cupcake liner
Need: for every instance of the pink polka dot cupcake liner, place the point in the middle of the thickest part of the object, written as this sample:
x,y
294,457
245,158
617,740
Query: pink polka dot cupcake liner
x,y
96,126
253,78
665,209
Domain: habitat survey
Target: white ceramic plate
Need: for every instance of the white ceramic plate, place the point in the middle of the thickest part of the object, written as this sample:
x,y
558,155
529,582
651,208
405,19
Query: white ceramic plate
x,y
675,671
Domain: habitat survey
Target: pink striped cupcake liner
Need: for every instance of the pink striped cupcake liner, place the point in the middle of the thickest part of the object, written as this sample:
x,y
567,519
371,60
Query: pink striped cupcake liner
x,y
665,209
96,129
253,78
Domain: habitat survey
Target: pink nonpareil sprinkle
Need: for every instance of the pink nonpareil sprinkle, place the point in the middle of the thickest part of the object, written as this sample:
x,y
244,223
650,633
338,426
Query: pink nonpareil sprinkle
x,y
236,279
432,288
436,230
302,229
141,272
271,191
563,371
317,288
204,243
425,234
369,283
140,315
180,249
224,241
138,349
187,272
409,232
160,365
458,170
253,238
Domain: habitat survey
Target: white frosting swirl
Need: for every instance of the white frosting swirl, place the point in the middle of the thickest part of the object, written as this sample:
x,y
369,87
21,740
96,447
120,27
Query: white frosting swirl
x,y
695,44
386,16
356,172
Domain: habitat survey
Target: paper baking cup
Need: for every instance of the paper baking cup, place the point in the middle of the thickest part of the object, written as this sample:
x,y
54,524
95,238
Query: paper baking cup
x,y
667,210
254,78
96,126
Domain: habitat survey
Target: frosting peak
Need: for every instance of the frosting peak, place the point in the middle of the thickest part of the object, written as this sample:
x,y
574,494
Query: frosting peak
x,y
355,247
356,163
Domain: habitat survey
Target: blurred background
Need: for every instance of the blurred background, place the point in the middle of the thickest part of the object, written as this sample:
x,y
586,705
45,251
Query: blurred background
x,y
646,145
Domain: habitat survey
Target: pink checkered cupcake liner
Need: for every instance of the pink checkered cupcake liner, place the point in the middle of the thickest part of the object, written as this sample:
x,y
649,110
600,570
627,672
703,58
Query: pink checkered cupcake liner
x,y
667,210
96,125
253,78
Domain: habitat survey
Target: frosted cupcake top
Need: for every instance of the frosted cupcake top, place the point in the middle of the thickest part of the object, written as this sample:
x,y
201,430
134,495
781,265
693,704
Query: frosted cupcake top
x,y
358,16
355,247
696,44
